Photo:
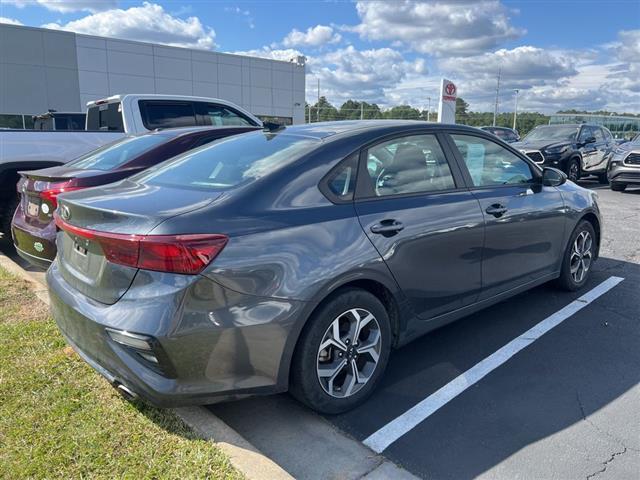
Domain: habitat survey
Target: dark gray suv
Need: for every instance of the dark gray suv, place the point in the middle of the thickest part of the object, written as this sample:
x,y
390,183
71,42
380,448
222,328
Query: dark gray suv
x,y
296,259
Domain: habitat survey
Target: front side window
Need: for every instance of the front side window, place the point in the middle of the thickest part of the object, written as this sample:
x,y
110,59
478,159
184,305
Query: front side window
x,y
167,114
491,164
411,164
229,162
220,116
113,155
597,132
585,134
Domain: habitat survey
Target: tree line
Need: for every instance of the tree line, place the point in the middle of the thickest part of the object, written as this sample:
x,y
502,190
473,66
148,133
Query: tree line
x,y
323,111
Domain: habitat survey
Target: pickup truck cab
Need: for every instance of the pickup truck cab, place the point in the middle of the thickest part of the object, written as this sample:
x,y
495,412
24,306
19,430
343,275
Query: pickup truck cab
x,y
107,120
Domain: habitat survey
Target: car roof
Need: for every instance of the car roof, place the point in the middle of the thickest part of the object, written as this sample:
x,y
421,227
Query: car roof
x,y
179,131
322,130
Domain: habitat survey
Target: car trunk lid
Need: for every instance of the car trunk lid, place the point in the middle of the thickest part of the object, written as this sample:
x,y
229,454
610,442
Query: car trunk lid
x,y
125,210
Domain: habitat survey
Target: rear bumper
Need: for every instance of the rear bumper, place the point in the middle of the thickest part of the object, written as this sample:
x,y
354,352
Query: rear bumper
x,y
221,345
36,244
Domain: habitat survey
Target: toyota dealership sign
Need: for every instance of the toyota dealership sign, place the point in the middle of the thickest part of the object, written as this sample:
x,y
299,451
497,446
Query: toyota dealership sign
x,y
447,104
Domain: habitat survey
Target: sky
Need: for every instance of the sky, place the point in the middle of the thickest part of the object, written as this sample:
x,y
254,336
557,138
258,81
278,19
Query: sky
x,y
563,54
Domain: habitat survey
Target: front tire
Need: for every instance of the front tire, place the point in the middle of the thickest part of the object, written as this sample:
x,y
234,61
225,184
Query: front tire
x,y
573,169
342,353
578,257
618,187
602,178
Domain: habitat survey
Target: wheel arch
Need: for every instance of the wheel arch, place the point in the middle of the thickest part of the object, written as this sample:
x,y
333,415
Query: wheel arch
x,y
383,289
593,219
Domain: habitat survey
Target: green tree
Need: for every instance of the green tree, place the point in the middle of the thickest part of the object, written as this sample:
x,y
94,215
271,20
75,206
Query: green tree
x,y
323,111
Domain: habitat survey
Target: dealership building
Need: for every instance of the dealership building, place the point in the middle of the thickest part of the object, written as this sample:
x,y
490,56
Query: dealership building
x,y
42,69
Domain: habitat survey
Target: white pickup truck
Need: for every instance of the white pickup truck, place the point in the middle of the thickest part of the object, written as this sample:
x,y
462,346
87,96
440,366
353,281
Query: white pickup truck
x,y
107,120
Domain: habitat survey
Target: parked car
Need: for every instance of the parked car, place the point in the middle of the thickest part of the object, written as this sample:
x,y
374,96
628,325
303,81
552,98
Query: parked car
x,y
53,120
503,133
33,228
107,120
624,165
297,259
576,149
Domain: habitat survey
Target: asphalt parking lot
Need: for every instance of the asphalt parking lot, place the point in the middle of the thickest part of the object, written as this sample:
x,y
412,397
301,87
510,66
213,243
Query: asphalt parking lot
x,y
565,406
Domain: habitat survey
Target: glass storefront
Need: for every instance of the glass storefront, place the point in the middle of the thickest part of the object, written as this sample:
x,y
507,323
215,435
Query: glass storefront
x,y
620,127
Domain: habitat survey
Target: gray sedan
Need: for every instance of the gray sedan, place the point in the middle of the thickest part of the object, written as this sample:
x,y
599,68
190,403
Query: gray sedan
x,y
297,258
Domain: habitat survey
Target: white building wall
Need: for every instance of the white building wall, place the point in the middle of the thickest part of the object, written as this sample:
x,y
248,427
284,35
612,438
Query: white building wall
x,y
41,69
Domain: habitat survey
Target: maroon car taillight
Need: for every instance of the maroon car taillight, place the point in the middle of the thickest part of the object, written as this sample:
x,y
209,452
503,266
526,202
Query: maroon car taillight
x,y
50,195
187,254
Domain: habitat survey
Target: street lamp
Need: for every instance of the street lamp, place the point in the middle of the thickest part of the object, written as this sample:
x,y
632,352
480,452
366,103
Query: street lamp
x,y
428,108
515,110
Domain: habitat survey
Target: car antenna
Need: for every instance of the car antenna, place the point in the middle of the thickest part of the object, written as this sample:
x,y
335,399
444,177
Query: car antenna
x,y
272,126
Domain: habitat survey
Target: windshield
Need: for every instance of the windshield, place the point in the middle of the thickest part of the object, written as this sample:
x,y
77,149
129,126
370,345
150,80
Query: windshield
x,y
229,162
552,133
113,155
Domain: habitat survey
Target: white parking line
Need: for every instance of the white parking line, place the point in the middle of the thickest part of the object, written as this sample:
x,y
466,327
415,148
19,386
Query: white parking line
x,y
395,429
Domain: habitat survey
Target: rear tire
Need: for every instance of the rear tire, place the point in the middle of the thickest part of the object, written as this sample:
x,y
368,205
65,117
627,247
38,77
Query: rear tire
x,y
317,377
6,216
618,187
578,257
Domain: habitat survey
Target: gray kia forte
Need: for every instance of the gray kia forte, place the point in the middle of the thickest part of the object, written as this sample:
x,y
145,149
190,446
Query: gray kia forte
x,y
298,258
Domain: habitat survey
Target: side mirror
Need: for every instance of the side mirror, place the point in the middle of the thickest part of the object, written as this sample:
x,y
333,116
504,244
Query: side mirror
x,y
588,140
552,177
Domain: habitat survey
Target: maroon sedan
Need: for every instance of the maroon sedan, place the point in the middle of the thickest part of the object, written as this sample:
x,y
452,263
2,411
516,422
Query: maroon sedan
x,y
33,227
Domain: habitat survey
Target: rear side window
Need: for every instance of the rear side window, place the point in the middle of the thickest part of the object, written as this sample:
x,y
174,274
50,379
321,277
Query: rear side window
x,y
229,162
166,114
107,116
220,116
411,164
113,155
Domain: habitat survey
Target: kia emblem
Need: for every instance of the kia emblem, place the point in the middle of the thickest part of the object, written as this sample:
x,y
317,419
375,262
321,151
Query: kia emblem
x,y
65,213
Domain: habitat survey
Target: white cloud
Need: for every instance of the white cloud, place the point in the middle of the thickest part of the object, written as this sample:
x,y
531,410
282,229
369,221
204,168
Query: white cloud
x,y
442,27
313,37
148,23
286,54
66,6
10,21
361,74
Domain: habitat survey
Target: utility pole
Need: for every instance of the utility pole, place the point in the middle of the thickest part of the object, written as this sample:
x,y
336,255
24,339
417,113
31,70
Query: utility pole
x,y
495,109
318,112
361,110
428,108
515,110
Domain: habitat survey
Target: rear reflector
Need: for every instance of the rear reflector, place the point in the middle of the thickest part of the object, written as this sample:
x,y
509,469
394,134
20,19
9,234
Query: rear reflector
x,y
188,254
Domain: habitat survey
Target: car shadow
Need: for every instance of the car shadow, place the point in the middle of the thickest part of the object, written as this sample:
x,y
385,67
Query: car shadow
x,y
580,367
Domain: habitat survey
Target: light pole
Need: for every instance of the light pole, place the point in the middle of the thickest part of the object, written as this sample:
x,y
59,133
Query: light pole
x,y
515,110
429,108
495,108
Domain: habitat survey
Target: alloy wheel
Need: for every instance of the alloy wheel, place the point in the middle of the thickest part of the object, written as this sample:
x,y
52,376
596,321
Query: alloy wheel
x,y
574,171
581,256
349,352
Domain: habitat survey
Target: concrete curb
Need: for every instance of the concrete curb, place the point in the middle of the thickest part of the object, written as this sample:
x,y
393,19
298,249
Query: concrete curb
x,y
246,458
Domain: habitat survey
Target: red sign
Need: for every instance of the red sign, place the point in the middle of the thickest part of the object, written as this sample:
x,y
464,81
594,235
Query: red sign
x,y
449,92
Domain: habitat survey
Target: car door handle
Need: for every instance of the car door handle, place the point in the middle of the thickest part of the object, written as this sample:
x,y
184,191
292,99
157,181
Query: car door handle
x,y
387,226
496,210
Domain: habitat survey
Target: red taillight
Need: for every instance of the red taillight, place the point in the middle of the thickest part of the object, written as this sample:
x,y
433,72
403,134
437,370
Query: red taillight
x,y
50,195
164,253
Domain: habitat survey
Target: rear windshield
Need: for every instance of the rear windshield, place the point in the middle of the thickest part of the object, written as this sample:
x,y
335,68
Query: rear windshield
x,y
113,155
229,162
106,116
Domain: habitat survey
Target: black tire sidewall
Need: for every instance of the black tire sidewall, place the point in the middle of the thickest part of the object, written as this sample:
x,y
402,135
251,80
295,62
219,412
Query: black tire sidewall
x,y
618,187
571,162
305,385
566,281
